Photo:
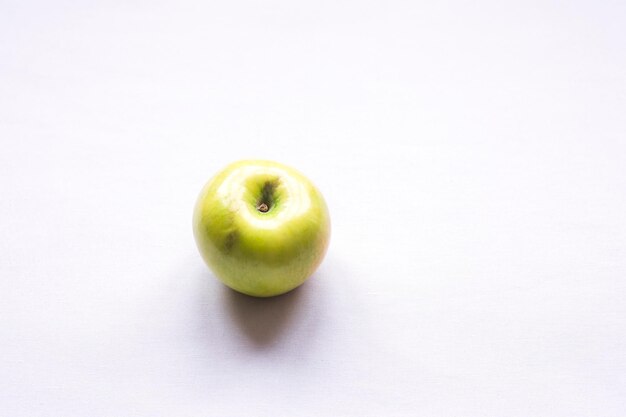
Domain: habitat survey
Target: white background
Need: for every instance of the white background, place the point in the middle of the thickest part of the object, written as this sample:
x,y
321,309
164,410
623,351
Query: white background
x,y
472,154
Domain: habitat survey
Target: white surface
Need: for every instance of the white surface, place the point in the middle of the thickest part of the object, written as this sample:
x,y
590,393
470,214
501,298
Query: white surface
x,y
473,157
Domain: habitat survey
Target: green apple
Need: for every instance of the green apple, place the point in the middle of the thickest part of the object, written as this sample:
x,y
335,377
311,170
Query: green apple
x,y
262,227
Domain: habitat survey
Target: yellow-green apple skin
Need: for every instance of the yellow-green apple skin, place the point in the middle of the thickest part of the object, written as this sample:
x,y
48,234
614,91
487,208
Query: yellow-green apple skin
x,y
262,227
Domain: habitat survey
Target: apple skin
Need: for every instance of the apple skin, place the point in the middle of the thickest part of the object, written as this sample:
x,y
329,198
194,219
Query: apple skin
x,y
261,227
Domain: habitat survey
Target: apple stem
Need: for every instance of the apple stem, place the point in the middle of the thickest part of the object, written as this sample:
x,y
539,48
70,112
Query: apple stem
x,y
263,208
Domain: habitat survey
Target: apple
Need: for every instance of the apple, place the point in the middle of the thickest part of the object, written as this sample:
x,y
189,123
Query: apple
x,y
261,227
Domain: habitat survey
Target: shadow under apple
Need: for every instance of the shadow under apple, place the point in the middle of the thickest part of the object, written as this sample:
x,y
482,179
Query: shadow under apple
x,y
264,320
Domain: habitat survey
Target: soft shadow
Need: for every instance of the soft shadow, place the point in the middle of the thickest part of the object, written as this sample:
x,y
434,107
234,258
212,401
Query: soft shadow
x,y
264,320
